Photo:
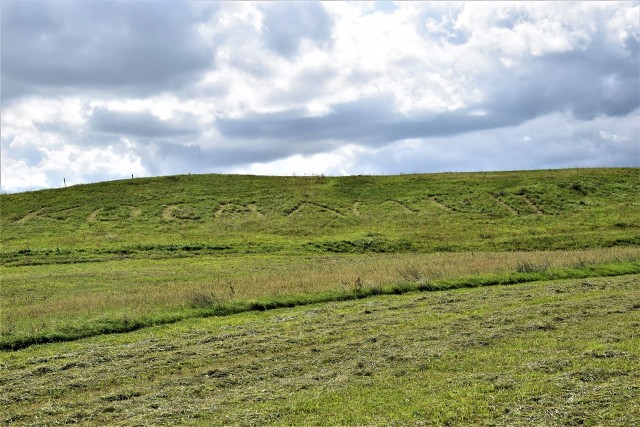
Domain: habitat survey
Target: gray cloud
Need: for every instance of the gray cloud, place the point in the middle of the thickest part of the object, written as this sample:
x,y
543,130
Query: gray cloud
x,y
566,81
361,120
550,141
591,83
139,124
27,153
133,47
588,84
288,23
162,156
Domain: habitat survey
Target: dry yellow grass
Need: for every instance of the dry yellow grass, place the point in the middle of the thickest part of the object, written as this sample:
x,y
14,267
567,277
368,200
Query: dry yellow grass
x,y
40,298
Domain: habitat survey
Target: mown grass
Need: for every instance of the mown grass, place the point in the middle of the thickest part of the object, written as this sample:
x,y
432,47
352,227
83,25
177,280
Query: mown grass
x,y
59,303
545,353
188,265
193,215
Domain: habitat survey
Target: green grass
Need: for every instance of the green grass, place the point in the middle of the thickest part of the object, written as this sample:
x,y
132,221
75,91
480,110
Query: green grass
x,y
193,215
543,353
323,300
47,303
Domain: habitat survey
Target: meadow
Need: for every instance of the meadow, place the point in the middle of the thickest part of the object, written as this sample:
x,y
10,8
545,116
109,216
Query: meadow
x,y
191,215
171,260
544,353
46,303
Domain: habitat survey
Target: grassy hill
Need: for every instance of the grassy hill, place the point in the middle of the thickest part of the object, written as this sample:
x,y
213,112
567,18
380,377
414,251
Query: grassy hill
x,y
193,215
323,300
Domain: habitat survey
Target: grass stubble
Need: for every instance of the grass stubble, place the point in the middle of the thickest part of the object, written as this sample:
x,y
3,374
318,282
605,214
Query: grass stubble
x,y
542,353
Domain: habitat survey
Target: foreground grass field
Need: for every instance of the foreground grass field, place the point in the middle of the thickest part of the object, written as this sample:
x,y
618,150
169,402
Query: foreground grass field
x,y
414,299
543,353
61,302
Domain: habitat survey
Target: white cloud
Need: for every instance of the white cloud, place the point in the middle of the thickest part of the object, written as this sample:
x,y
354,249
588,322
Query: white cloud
x,y
85,163
337,87
612,137
76,164
18,175
342,161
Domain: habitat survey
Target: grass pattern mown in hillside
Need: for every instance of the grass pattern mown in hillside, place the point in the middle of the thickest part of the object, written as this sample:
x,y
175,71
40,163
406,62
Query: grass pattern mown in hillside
x,y
563,209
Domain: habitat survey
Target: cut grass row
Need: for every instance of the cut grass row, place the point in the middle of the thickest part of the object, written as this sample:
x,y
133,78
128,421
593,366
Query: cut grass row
x,y
24,324
544,353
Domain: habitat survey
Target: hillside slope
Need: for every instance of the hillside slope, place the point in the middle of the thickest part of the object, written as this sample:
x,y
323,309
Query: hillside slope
x,y
196,214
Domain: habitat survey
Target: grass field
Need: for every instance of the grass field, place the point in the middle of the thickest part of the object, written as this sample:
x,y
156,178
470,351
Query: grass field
x,y
60,302
543,353
191,215
413,299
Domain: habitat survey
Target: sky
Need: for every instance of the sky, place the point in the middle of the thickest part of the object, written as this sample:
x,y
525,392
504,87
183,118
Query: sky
x,y
101,90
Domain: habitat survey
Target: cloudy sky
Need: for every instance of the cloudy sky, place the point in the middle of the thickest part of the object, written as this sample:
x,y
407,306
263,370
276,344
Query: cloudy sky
x,y
103,89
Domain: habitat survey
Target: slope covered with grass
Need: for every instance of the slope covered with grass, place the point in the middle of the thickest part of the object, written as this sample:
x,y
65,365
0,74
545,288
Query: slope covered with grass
x,y
193,215
306,300
546,353
172,248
